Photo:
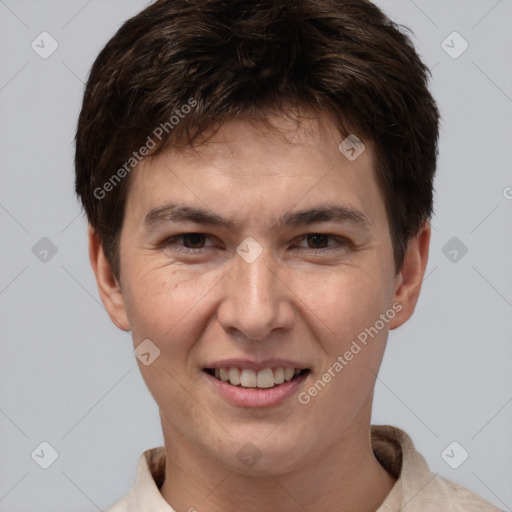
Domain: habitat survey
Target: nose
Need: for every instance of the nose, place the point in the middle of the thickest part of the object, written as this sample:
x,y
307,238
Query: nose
x,y
256,300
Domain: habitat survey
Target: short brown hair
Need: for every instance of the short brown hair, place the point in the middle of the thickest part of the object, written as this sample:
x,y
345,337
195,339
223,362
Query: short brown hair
x,y
241,58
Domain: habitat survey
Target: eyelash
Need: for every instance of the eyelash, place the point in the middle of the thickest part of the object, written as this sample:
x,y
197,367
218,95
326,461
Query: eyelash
x,y
342,243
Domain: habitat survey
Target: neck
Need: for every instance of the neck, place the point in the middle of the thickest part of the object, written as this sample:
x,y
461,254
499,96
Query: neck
x,y
348,477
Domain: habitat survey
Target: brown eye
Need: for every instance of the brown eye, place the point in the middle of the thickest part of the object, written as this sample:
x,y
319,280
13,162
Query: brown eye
x,y
193,240
317,241
321,243
188,242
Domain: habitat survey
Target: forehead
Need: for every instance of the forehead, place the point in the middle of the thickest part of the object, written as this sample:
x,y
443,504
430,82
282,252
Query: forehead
x,y
250,166
285,136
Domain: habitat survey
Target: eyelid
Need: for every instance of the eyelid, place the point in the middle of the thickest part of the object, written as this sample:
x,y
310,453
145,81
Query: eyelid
x,y
328,235
340,242
174,243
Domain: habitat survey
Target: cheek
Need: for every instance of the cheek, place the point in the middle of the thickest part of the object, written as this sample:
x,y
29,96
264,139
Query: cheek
x,y
353,344
164,306
350,307
344,302
155,301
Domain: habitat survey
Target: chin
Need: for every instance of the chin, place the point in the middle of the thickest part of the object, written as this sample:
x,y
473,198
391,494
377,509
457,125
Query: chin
x,y
258,451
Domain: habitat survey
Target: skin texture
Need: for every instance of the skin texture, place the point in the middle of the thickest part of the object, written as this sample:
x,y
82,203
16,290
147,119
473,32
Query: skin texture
x,y
298,300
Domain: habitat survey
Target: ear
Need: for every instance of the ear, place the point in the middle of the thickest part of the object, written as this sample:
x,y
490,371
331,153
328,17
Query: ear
x,y
410,277
108,286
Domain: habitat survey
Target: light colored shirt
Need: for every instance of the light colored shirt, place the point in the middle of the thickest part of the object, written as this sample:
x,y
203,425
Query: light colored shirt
x,y
416,488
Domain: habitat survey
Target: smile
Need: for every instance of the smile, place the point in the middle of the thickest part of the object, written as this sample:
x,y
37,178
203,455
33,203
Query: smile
x,y
248,378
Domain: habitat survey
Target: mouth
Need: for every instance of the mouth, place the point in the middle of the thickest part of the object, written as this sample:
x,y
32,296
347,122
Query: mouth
x,y
266,378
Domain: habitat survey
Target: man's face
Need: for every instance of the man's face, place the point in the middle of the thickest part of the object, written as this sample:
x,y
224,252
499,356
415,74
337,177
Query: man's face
x,y
267,289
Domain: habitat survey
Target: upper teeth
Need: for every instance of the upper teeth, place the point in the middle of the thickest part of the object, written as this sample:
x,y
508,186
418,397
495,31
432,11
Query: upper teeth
x,y
249,378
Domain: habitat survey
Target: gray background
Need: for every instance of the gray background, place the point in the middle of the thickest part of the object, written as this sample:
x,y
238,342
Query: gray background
x,y
69,377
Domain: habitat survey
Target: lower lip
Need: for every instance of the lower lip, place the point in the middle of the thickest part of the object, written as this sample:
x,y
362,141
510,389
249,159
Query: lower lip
x,y
257,397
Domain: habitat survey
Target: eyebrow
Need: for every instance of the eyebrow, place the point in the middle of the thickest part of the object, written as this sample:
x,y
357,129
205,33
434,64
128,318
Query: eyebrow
x,y
323,213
